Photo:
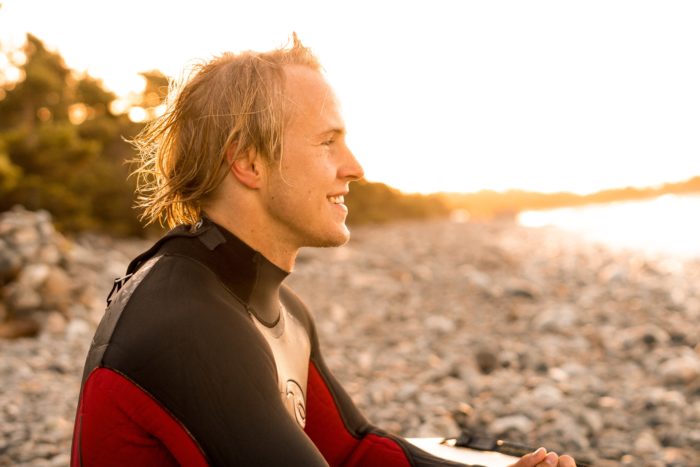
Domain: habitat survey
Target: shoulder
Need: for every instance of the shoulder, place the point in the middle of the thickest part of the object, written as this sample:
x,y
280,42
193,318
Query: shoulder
x,y
173,276
180,304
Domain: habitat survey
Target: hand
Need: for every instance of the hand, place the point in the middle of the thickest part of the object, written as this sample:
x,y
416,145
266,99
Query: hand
x,y
541,458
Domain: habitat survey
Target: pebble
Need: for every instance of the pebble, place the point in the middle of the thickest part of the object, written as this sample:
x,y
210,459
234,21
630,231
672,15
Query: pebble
x,y
431,327
519,423
681,370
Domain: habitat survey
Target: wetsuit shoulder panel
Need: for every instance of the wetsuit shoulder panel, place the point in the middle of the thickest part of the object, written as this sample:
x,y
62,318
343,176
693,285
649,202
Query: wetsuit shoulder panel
x,y
189,342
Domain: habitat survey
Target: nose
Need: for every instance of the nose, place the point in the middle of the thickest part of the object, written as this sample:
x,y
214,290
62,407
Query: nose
x,y
351,169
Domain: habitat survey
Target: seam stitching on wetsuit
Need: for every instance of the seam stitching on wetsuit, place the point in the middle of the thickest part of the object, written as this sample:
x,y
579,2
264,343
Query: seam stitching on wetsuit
x,y
409,457
320,364
162,406
335,399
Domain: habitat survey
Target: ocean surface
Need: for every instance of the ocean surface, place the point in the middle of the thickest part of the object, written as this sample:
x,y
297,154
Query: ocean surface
x,y
668,224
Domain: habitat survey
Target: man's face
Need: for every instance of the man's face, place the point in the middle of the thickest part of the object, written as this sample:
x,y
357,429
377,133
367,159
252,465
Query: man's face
x,y
304,193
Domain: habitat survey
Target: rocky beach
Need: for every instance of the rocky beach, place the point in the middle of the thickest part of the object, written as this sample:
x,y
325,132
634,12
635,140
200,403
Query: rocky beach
x,y
533,335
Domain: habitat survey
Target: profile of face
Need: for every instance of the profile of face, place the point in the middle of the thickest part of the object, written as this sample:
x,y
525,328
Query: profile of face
x,y
304,193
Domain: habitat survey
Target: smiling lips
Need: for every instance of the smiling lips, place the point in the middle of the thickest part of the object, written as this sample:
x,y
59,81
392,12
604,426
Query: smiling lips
x,y
339,201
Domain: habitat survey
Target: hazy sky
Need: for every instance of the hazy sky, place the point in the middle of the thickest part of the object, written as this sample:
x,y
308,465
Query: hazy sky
x,y
437,95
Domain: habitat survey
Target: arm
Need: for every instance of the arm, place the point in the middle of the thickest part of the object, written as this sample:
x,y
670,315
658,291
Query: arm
x,y
343,435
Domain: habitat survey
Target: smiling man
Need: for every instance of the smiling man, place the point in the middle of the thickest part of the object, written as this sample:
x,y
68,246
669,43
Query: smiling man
x,y
204,356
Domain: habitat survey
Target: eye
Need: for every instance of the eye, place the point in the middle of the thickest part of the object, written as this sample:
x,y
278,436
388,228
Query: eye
x,y
328,142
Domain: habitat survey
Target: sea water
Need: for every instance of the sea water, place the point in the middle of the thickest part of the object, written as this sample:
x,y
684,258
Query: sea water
x,y
669,224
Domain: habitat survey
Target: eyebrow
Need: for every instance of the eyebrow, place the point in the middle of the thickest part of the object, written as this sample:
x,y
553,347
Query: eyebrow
x,y
335,131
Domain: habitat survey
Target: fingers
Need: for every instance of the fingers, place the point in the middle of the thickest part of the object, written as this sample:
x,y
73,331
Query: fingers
x,y
531,460
566,461
541,458
550,460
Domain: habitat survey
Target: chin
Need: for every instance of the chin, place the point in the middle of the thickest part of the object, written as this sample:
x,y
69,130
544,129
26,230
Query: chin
x,y
336,237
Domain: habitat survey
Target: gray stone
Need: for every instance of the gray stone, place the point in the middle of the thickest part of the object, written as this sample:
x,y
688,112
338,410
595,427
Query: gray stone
x,y
681,370
55,323
16,328
518,423
487,360
78,328
643,336
56,291
49,254
592,420
20,297
33,275
439,324
646,443
556,319
474,276
547,396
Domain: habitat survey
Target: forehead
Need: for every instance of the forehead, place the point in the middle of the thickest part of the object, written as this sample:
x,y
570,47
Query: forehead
x,y
310,101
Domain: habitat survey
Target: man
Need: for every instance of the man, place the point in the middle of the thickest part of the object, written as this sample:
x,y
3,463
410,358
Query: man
x,y
203,356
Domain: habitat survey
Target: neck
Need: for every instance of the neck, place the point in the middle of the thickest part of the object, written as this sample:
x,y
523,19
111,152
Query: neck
x,y
249,230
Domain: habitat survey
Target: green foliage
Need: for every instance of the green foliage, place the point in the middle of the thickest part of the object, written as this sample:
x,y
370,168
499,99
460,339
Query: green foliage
x,y
378,203
44,87
90,92
9,173
61,149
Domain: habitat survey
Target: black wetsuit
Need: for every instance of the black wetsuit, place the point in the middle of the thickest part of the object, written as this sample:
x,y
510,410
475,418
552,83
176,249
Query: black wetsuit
x,y
203,357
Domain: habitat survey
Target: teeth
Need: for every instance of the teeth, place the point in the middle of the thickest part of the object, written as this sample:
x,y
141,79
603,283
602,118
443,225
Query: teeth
x,y
337,199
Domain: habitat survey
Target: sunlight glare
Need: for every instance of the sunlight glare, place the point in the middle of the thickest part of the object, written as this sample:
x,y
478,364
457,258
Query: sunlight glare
x,y
119,106
663,224
77,113
137,114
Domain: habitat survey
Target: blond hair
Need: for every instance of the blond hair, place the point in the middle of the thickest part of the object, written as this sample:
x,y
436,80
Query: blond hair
x,y
235,100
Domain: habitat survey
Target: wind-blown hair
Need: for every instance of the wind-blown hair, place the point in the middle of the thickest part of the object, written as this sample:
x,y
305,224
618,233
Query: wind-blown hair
x,y
233,101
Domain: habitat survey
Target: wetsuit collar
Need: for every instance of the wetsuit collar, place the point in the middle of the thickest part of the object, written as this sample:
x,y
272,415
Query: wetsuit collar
x,y
260,287
250,276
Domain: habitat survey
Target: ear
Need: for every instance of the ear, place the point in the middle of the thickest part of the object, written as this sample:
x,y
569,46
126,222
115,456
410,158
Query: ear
x,y
248,167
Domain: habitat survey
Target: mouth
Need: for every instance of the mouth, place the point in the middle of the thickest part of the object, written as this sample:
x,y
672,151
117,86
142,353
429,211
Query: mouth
x,y
337,199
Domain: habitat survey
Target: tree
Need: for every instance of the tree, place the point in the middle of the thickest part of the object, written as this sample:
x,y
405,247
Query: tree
x,y
58,133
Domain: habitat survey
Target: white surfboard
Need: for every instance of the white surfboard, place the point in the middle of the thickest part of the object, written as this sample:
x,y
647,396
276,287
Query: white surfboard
x,y
446,449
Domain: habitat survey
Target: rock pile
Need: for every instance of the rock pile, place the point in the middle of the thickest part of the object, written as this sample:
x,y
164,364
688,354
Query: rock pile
x,y
529,334
46,281
33,277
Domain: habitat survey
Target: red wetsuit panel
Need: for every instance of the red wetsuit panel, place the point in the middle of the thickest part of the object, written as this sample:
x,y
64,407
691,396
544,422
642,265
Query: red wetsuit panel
x,y
327,430
120,424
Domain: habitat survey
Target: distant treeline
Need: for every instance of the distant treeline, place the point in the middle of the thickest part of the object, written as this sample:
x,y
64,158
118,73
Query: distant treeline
x,y
379,203
489,204
63,149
